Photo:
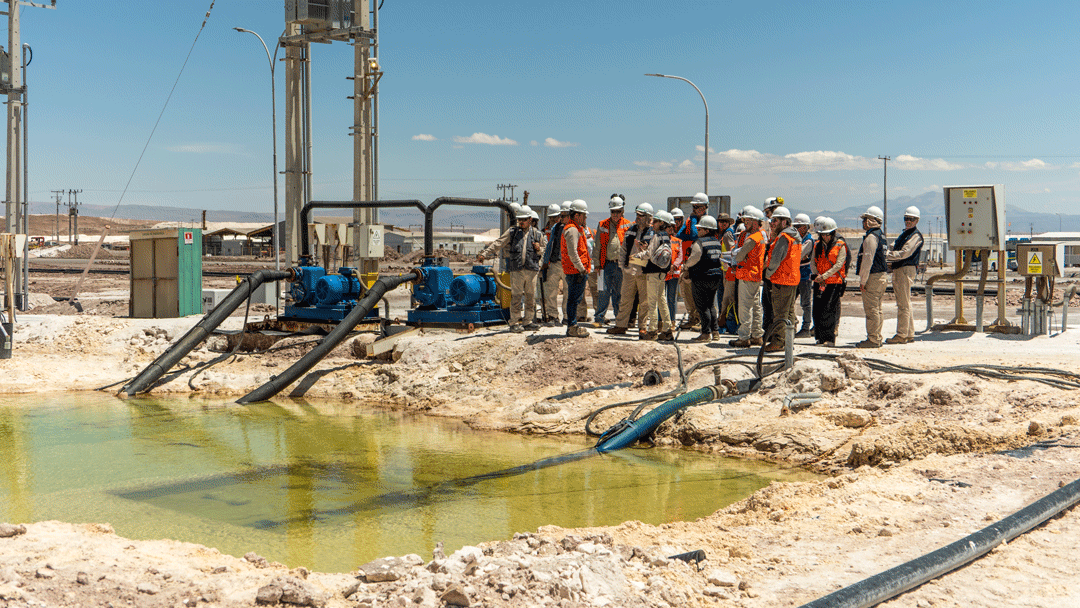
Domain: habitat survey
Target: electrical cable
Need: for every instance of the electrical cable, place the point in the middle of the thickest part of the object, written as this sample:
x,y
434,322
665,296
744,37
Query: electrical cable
x,y
162,113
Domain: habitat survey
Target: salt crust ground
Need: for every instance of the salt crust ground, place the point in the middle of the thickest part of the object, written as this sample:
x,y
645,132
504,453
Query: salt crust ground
x,y
913,459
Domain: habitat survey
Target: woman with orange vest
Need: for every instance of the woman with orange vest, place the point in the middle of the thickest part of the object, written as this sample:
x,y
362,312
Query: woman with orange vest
x,y
830,280
576,263
783,274
749,259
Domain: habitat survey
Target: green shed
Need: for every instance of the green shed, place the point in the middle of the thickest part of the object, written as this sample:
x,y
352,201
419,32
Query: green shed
x,y
166,273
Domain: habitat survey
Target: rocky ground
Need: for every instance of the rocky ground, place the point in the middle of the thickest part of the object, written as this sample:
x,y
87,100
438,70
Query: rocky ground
x,y
916,458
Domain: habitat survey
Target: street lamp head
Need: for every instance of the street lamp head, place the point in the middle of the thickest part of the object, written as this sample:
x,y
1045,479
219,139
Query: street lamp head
x,y
657,75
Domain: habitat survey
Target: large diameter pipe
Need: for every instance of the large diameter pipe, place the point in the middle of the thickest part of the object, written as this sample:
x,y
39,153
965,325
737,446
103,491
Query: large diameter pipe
x,y
429,215
942,277
886,585
648,423
1065,307
332,339
305,213
202,330
982,290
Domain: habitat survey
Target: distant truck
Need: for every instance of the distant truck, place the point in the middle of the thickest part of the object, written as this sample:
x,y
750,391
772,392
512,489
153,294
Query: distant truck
x,y
36,242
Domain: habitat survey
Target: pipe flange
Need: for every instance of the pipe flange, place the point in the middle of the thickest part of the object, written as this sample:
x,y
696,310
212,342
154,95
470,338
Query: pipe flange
x,y
652,378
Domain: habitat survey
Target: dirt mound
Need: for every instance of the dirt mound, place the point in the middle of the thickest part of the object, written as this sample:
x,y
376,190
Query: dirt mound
x,y
919,439
83,251
558,361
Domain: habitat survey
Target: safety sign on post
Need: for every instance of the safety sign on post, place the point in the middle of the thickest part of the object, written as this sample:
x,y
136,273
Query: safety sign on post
x,y
189,237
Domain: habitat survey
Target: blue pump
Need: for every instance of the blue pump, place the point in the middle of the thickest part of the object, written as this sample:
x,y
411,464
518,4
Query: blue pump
x,y
444,299
321,297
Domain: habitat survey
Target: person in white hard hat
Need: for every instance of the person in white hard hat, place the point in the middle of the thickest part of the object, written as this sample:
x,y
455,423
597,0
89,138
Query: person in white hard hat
x,y
771,205
523,245
749,261
611,232
904,261
871,268
591,288
576,263
636,241
551,267
679,249
706,271
804,291
830,279
657,259
699,206
782,271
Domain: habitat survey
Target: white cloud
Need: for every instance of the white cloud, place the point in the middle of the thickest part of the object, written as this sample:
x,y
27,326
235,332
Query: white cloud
x,y
424,137
702,149
206,148
551,142
687,165
534,143
484,138
1027,165
914,163
659,165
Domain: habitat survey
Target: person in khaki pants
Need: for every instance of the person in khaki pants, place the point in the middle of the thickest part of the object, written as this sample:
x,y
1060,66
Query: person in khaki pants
x,y
904,262
637,239
871,267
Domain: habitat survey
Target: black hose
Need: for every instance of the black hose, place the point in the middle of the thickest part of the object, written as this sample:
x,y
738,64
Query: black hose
x,y
201,331
429,215
305,213
886,585
332,339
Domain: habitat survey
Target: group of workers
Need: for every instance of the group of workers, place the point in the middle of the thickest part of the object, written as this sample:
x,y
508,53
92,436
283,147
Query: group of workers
x,y
745,272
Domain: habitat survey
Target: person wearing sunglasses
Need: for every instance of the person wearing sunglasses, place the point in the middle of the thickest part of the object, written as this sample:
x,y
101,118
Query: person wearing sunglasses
x,y
904,262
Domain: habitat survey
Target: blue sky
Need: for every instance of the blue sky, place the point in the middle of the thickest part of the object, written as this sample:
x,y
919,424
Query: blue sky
x,y
551,96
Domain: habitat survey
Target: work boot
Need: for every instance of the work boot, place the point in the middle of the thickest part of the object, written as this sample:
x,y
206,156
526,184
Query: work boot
x,y
805,332
739,343
773,347
531,327
689,324
516,328
616,331
715,336
868,344
665,336
896,340
647,335
755,341
577,331
701,339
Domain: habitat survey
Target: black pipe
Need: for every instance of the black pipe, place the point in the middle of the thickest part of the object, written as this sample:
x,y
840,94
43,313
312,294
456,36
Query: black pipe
x,y
305,213
202,330
332,339
429,215
885,585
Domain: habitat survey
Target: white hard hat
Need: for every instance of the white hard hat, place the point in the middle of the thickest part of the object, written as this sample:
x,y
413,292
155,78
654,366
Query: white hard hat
x,y
644,209
875,213
579,206
534,215
781,212
756,214
824,224
615,203
700,199
515,207
745,212
554,209
566,205
664,216
774,201
800,220
818,219
911,212
676,212
523,213
708,222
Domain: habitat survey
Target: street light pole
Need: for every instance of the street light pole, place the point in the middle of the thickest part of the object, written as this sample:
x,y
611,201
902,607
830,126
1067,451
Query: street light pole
x,y
706,123
273,132
885,201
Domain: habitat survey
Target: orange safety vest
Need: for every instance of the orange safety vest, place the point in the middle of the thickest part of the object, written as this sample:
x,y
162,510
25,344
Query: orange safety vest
x,y
750,269
788,272
604,228
678,256
582,251
827,259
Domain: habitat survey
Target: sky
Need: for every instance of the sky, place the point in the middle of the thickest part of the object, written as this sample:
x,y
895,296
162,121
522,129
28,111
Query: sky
x,y
552,97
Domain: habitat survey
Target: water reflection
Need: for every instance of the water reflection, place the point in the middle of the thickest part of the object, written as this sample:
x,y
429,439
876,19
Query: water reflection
x,y
318,485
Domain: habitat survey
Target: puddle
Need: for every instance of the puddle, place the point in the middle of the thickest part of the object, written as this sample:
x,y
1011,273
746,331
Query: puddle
x,y
325,487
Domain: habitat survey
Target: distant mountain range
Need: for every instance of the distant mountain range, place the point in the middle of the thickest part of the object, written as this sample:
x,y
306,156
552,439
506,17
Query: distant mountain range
x,y
931,204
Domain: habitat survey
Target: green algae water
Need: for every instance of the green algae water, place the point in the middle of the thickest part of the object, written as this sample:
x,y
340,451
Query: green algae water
x,y
321,486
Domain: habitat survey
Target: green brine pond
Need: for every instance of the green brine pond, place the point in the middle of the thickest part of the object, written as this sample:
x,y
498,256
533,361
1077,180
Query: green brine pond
x,y
318,485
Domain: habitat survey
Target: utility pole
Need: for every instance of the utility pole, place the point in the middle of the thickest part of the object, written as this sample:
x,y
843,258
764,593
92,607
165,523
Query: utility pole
x,y
58,194
73,215
885,202
504,188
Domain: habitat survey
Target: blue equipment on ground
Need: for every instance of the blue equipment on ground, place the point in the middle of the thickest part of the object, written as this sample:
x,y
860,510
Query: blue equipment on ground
x,y
321,297
445,299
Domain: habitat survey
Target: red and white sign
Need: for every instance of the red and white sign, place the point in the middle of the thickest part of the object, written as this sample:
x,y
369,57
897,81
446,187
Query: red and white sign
x,y
189,238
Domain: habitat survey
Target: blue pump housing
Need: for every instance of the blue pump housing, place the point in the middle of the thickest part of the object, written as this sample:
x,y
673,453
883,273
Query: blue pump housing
x,y
321,297
449,300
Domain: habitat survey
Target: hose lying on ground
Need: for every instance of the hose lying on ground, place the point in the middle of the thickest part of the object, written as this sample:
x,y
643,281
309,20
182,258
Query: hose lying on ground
x,y
195,336
332,339
886,585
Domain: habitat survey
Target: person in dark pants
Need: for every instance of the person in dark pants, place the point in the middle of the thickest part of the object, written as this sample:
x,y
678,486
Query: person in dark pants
x,y
805,290
830,280
782,269
576,264
706,272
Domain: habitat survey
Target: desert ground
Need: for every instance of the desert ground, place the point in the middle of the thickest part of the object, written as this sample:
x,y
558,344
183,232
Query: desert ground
x,y
915,457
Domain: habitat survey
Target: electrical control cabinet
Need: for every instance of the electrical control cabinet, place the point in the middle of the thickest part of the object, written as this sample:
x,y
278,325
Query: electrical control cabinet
x,y
1040,259
320,14
371,246
975,217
